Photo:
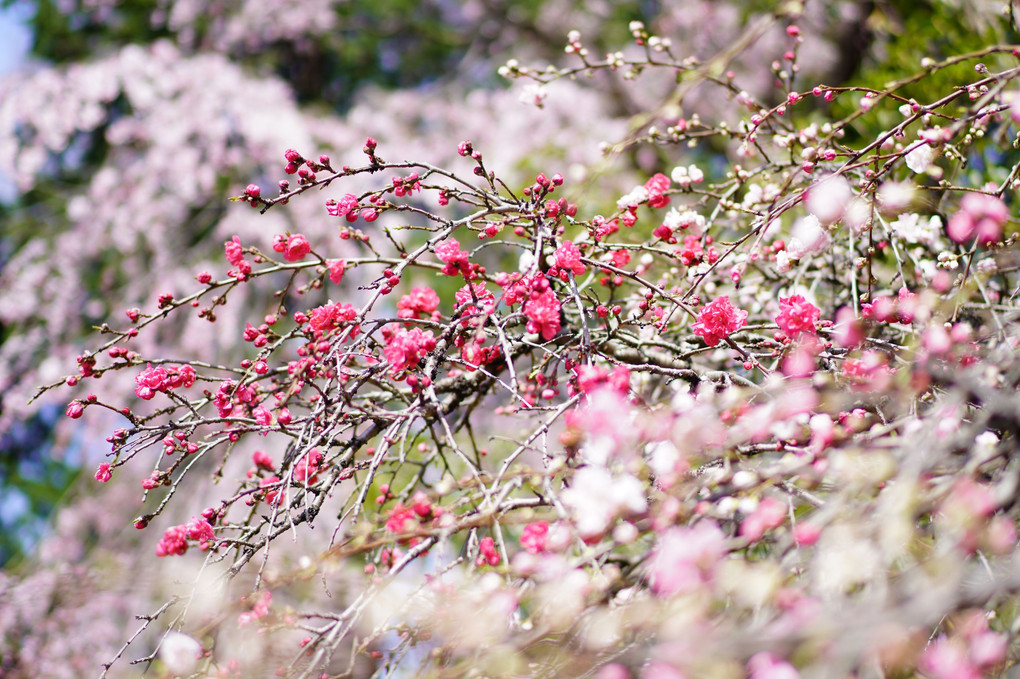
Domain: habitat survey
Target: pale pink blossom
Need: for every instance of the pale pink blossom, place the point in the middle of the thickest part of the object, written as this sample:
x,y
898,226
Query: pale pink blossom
x,y
685,558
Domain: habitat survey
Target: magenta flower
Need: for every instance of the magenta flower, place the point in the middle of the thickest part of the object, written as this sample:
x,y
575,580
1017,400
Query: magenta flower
x,y
718,319
543,312
533,537
797,315
103,474
406,348
419,303
294,248
569,257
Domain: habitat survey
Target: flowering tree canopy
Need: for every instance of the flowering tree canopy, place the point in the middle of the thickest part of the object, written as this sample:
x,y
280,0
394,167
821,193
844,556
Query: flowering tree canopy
x,y
747,408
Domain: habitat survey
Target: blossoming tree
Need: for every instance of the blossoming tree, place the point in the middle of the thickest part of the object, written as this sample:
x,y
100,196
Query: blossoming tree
x,y
756,416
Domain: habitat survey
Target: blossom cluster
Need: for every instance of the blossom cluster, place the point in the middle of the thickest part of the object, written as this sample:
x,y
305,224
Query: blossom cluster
x,y
161,379
769,400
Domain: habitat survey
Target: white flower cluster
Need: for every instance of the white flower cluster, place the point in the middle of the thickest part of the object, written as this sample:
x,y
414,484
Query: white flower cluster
x,y
633,199
685,176
912,228
689,221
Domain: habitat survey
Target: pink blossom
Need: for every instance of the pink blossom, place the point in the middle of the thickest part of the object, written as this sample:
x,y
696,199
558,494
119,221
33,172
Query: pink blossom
x,y
344,207
936,340
664,233
405,348
533,537
828,198
419,303
656,188
988,649
613,671
262,415
568,257
475,293
981,215
797,315
262,460
870,372
173,542
162,379
620,258
336,270
692,251
308,466
476,354
848,331
329,316
273,494
543,312
401,519
103,472
765,665
806,533
1001,536
718,319
294,248
455,259
516,290
769,514
75,409
283,416
487,553
969,498
201,531
685,558
590,377
947,659
800,361
234,251
260,609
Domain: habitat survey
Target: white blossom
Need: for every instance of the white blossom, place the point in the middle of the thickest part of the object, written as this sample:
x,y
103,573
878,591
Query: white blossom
x,y
180,653
920,157
827,199
633,199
